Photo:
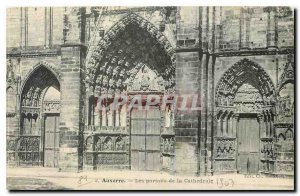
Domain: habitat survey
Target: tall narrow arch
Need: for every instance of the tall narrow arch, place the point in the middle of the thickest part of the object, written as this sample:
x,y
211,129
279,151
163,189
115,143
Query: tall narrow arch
x,y
40,65
39,118
287,75
36,82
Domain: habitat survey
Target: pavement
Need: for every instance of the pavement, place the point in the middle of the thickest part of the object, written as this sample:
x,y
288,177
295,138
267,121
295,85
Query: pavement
x,y
52,179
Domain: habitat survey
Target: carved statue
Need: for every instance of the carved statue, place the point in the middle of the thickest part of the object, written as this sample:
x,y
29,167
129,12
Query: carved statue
x,y
172,147
98,145
108,144
120,144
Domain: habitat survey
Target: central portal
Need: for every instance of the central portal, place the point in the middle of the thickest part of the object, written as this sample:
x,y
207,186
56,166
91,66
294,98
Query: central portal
x,y
145,139
248,144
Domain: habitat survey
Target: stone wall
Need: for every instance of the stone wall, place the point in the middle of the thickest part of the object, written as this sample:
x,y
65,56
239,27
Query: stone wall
x,y
208,41
188,73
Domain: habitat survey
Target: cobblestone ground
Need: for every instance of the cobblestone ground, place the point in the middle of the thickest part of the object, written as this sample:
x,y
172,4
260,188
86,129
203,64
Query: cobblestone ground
x,y
52,179
24,183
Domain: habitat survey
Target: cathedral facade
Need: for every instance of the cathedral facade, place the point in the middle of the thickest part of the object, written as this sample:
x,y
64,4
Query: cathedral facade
x,y
239,62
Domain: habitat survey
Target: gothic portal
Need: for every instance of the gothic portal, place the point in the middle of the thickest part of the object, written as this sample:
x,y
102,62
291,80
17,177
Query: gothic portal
x,y
63,78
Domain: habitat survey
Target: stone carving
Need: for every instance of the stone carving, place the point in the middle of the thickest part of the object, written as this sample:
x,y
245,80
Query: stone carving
x,y
282,167
229,83
28,112
267,149
11,78
11,157
247,99
11,144
89,144
120,144
144,79
98,146
168,144
284,12
51,106
107,144
111,159
28,143
28,149
127,55
267,166
285,104
225,165
224,148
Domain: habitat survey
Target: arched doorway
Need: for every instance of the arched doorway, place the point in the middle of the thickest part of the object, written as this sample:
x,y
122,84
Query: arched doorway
x,y
133,58
39,119
245,117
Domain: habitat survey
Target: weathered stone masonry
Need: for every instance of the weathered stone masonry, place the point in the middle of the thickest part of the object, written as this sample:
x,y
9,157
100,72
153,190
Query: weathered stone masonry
x,y
238,60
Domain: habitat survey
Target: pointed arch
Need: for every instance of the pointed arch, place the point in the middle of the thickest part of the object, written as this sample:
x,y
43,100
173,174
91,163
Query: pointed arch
x,y
37,81
41,64
114,53
288,75
244,71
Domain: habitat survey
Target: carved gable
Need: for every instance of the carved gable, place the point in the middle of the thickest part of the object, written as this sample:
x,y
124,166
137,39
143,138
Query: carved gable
x,y
144,79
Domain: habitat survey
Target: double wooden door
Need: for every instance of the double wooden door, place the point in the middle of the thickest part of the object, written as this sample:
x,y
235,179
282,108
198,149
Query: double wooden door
x,y
145,139
51,140
248,145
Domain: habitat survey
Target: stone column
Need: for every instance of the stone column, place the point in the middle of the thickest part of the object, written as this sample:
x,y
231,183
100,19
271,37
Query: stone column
x,y
72,91
114,115
123,116
262,126
104,116
267,126
244,28
229,126
225,125
97,113
187,127
218,128
270,126
272,28
110,116
234,125
96,118
100,109
117,121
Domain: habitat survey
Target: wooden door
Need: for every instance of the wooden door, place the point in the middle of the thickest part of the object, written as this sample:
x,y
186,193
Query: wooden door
x,y
145,140
51,141
248,145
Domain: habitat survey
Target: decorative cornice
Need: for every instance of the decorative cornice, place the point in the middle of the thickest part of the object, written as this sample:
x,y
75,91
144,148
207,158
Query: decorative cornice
x,y
248,52
189,49
255,52
283,125
74,45
33,54
123,11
